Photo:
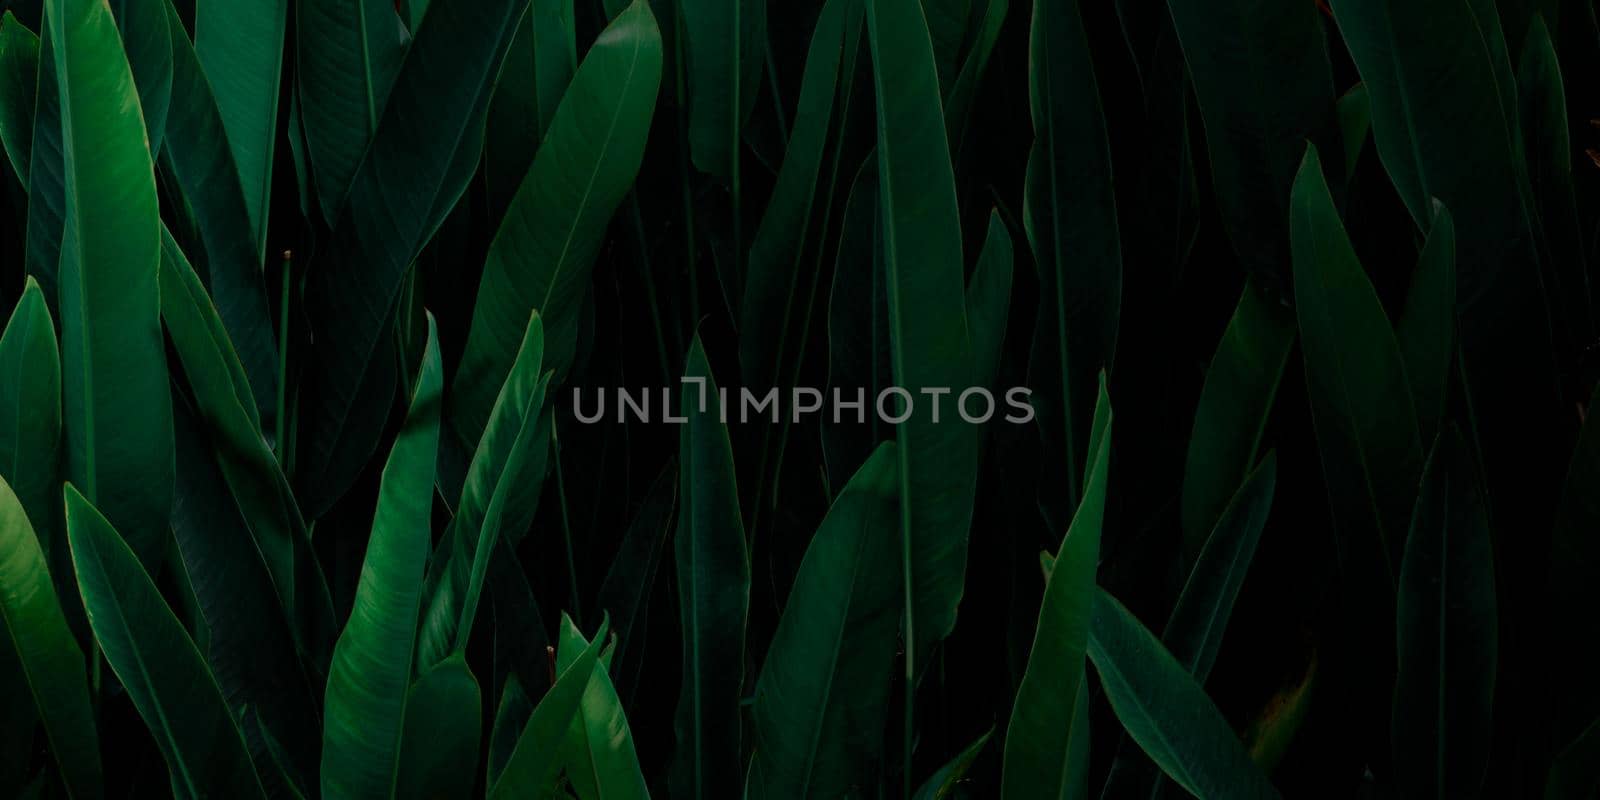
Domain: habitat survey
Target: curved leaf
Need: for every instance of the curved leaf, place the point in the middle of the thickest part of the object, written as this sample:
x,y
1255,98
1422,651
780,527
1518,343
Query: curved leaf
x,y
927,322
19,83
1261,75
989,300
822,699
371,671
723,53
30,410
625,594
607,760
118,408
240,43
206,171
439,751
1046,744
541,255
348,55
1427,329
534,763
1070,216
1235,402
713,594
407,184
157,662
49,657
768,311
1446,633
499,500
1165,710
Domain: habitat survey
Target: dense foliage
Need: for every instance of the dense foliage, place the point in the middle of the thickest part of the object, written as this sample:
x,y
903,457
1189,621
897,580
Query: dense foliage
x,y
300,498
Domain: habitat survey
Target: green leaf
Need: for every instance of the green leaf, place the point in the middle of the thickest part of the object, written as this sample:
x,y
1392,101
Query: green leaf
x,y
609,763
30,410
942,784
251,647
1444,119
409,181
625,594
822,698
1427,329
1547,142
1574,652
713,593
439,751
248,466
49,657
1446,632
1235,403
533,764
947,29
1194,631
47,203
118,408
723,56
371,671
927,324
157,662
537,70
858,332
1358,386
960,95
1355,125
769,311
541,256
229,248
240,43
19,82
989,301
1166,712
1046,744
1261,75
348,54
1070,217
145,40
500,498
510,717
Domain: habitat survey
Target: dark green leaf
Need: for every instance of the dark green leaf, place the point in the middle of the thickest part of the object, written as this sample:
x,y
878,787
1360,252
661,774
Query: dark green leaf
x,y
1427,329
371,671
1447,633
157,662
822,699
1046,744
1165,710
533,763
989,301
50,661
439,751
713,566
240,43
118,409
723,60
542,254
30,410
19,82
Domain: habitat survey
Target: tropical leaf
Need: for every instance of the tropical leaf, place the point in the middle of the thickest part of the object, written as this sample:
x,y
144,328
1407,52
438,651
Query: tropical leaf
x,y
1046,744
240,44
713,567
1070,215
51,665
608,765
533,763
723,61
1446,632
929,346
541,255
119,443
1165,711
822,698
19,63
1238,396
989,301
409,180
439,749
30,410
1427,328
157,662
1261,75
371,671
